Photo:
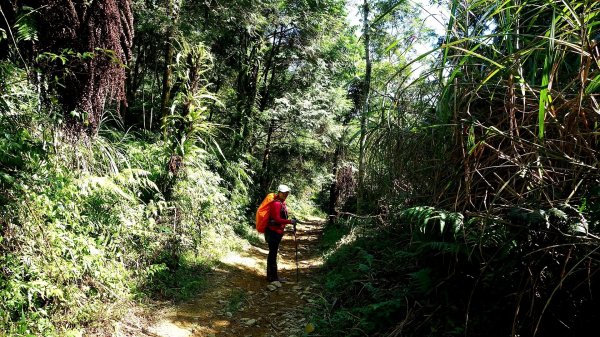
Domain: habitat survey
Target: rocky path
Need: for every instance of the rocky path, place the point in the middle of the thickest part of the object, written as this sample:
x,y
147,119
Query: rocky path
x,y
239,301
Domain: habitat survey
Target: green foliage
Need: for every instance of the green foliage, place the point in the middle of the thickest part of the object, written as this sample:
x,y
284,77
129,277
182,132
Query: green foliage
x,y
187,124
339,233
258,97
411,275
176,280
516,216
64,249
365,294
85,227
532,53
305,136
429,221
15,92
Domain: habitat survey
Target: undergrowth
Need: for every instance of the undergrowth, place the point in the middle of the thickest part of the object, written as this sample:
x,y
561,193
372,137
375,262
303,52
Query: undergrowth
x,y
428,272
86,227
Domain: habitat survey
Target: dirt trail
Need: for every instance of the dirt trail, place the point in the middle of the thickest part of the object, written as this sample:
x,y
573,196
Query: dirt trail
x,y
237,301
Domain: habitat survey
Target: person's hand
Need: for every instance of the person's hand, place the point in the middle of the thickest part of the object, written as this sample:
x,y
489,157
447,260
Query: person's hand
x,y
294,222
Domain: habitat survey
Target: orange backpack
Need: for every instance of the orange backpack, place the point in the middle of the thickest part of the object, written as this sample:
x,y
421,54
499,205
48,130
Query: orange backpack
x,y
262,215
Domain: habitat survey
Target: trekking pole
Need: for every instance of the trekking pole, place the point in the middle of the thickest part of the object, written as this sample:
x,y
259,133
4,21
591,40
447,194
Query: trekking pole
x,y
296,243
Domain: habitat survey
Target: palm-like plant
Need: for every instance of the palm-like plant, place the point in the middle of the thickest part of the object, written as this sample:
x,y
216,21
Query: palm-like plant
x,y
187,125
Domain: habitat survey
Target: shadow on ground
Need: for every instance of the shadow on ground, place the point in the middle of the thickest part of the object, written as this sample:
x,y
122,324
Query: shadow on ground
x,y
236,301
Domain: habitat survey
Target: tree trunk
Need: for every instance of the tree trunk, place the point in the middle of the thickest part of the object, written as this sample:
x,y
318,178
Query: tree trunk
x,y
167,80
266,164
333,188
365,110
247,83
135,78
271,67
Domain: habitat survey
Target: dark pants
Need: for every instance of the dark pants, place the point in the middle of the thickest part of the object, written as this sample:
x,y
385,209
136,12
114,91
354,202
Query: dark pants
x,y
273,239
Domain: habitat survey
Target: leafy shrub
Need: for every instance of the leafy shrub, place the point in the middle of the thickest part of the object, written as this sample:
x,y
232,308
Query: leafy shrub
x,y
85,227
364,293
427,272
64,261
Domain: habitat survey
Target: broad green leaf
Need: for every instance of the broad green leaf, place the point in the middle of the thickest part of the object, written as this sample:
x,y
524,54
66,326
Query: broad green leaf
x,y
594,86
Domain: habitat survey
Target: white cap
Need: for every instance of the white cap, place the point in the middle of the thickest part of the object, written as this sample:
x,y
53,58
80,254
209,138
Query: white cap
x,y
283,188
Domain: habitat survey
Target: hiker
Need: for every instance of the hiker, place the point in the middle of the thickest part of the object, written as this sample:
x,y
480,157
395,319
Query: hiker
x,y
274,231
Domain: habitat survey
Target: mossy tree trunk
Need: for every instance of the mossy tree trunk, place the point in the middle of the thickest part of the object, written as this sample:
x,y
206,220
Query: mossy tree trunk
x,y
365,110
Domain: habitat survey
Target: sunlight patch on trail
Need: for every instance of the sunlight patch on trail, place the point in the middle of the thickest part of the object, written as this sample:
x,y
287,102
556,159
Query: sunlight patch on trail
x,y
170,329
238,301
235,259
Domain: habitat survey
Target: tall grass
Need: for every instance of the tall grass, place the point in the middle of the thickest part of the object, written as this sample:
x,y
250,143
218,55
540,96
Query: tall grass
x,y
512,146
526,121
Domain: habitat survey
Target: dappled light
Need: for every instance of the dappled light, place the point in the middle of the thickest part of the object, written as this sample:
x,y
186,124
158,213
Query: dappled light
x,y
237,293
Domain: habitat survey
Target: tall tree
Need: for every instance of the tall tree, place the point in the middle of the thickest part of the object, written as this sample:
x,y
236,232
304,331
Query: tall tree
x,y
84,47
366,91
169,50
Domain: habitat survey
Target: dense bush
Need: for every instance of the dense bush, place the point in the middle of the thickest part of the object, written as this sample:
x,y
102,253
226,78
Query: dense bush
x,y
427,272
86,226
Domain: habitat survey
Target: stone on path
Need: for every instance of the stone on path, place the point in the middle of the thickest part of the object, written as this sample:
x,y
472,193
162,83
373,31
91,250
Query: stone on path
x,y
277,284
250,322
271,287
166,328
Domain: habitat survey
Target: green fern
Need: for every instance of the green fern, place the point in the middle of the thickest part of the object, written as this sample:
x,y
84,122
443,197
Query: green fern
x,y
441,246
26,29
423,280
428,220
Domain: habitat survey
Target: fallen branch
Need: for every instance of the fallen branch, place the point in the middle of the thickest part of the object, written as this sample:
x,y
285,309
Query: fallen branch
x,y
378,216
